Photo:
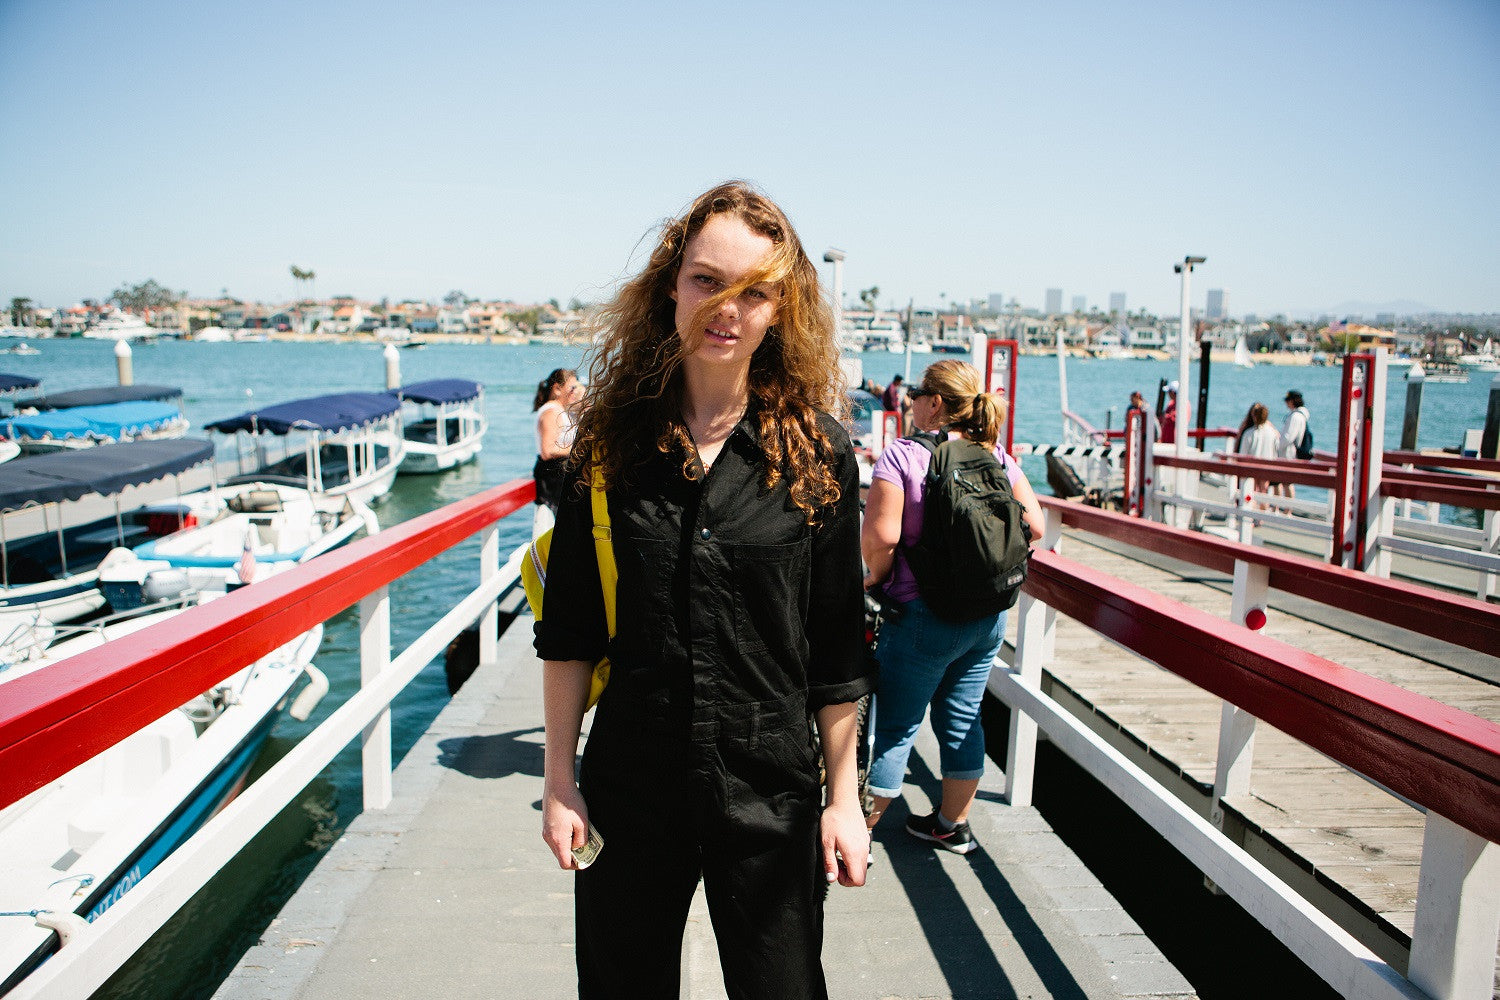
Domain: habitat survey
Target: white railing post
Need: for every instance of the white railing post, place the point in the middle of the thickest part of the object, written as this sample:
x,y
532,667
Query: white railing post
x,y
374,660
1488,581
489,566
1458,913
1385,522
1237,726
1033,638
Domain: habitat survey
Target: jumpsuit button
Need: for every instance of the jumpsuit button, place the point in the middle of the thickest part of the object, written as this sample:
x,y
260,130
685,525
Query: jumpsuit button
x,y
705,534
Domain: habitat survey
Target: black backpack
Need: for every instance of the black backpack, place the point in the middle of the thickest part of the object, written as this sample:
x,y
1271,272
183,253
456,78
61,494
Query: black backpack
x,y
1304,447
970,560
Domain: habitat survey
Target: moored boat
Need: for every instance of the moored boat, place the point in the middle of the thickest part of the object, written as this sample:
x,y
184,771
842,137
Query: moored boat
x,y
450,425
90,426
74,847
53,575
258,530
343,444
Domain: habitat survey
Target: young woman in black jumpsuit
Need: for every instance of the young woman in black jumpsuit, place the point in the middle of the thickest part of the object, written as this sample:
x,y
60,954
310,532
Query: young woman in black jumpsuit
x,y
734,501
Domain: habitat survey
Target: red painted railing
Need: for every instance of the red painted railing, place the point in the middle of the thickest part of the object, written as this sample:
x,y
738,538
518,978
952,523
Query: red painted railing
x,y
1438,756
54,719
1463,621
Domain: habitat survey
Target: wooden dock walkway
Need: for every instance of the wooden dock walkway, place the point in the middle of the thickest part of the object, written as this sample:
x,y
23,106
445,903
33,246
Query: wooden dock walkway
x,y
1343,841
450,892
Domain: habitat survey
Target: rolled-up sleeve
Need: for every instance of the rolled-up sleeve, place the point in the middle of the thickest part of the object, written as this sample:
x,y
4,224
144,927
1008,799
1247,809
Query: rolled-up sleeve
x,y
838,670
573,625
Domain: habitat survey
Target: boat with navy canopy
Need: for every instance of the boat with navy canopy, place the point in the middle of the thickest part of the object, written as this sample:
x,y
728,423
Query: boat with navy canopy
x,y
102,395
342,444
9,386
449,426
53,575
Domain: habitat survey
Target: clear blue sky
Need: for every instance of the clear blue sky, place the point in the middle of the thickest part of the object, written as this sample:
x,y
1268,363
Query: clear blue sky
x,y
1316,153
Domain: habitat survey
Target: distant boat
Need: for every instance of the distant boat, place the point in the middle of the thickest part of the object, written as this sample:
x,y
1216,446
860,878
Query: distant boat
x,y
122,327
1242,357
451,432
23,349
1483,360
1438,371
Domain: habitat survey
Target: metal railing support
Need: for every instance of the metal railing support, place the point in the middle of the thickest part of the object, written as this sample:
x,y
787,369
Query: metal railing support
x,y
489,567
1458,913
374,660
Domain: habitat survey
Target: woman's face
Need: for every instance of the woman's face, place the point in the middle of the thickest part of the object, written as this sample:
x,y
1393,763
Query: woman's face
x,y
722,253
567,391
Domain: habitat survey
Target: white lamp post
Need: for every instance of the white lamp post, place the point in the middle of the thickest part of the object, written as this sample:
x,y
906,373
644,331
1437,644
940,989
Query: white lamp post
x,y
836,258
1186,270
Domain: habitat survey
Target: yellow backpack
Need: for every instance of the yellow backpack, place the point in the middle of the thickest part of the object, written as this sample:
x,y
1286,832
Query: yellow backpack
x,y
534,575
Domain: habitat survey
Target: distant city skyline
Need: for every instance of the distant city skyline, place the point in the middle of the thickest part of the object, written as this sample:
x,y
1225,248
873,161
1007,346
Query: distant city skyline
x,y
525,152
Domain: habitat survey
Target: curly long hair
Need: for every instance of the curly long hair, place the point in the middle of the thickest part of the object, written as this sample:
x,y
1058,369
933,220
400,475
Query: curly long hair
x,y
635,366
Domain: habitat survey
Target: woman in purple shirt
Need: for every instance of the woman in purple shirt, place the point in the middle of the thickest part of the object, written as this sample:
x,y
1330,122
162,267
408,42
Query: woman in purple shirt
x,y
924,659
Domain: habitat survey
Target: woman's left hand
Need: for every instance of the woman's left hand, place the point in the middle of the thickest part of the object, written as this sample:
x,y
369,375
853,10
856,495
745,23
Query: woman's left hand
x,y
846,844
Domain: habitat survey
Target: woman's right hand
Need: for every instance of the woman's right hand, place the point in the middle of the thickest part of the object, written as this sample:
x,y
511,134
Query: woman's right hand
x,y
565,822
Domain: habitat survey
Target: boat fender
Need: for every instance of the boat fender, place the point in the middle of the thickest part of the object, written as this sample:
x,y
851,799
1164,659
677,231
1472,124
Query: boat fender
x,y
67,925
307,699
164,584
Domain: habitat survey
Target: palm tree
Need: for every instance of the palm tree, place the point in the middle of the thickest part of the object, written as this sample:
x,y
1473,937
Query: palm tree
x,y
20,311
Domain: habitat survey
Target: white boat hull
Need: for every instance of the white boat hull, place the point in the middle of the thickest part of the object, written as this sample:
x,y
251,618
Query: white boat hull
x,y
81,842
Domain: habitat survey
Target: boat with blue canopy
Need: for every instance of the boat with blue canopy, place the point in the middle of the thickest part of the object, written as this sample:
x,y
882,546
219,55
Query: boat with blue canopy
x,y
342,444
448,426
54,574
89,426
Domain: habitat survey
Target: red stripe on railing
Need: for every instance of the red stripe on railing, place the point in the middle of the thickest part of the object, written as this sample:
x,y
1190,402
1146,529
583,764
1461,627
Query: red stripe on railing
x,y
57,718
1427,460
1303,473
1454,496
1438,756
1460,620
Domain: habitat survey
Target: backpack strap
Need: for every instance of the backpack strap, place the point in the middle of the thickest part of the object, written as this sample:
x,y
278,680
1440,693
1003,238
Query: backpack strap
x,y
604,546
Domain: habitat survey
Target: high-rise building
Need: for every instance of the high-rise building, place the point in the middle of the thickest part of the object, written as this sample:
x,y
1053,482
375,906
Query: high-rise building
x,y
1215,307
1117,302
1080,303
997,302
1054,301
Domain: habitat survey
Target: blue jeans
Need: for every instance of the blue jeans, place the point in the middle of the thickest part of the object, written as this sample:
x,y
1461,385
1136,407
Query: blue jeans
x,y
925,660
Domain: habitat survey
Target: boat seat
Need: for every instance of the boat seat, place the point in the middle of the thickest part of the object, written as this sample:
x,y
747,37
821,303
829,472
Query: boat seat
x,y
131,769
255,502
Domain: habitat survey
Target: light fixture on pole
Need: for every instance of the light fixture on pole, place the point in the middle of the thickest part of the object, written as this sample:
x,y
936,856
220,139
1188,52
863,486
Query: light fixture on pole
x,y
835,257
1186,270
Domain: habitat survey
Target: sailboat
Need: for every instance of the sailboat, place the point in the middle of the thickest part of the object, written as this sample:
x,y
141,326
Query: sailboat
x,y
1242,353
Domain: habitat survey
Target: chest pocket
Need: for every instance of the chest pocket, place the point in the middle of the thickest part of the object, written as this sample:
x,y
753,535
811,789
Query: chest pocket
x,y
771,584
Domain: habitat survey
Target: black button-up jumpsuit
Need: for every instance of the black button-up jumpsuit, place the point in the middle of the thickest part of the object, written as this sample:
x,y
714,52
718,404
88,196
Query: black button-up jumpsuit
x,y
736,620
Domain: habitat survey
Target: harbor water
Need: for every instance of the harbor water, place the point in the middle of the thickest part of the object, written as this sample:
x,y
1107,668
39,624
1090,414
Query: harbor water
x,y
195,950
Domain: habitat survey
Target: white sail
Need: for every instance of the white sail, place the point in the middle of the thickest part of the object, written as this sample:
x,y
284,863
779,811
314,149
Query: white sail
x,y
1242,353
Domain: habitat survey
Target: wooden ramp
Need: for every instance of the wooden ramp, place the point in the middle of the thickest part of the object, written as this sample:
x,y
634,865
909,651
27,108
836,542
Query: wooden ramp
x,y
450,892
1344,842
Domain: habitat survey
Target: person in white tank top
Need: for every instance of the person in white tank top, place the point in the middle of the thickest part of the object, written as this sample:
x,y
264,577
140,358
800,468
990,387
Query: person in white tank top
x,y
555,394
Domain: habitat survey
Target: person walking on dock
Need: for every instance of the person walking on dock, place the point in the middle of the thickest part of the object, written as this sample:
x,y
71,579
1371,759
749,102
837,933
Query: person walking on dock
x,y
1296,440
1259,439
924,658
734,502
1170,415
894,401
